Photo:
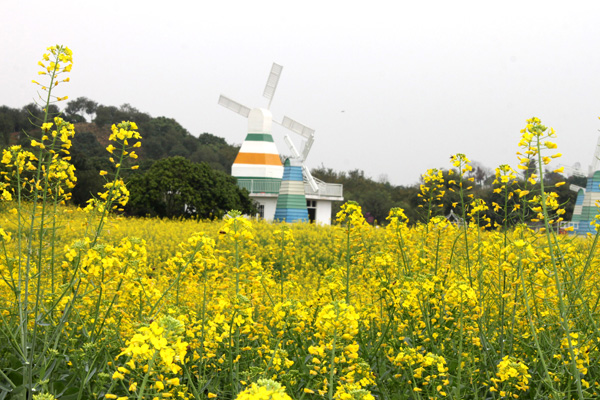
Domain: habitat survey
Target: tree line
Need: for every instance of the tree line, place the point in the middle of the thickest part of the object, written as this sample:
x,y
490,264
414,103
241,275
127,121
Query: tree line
x,y
185,175
377,197
179,174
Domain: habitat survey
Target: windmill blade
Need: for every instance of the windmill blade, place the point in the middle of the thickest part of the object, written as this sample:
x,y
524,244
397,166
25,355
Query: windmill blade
x,y
307,146
290,144
596,159
297,127
575,188
310,179
272,81
234,106
573,170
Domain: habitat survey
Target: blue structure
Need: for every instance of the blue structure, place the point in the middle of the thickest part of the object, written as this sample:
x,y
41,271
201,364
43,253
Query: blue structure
x,y
291,202
585,206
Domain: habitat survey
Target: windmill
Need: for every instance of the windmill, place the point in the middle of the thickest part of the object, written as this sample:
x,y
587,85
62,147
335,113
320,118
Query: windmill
x,y
576,169
280,190
304,131
585,208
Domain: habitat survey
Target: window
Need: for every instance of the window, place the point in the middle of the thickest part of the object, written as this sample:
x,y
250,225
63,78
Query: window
x,y
261,211
311,206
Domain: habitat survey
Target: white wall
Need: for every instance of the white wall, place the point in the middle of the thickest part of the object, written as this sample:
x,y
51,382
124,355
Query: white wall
x,y
270,204
323,214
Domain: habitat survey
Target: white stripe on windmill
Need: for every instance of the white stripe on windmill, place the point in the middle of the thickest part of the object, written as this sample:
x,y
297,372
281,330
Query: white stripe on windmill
x,y
259,121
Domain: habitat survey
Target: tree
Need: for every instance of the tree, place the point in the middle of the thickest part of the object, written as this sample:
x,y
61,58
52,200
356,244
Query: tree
x,y
163,137
480,173
377,204
89,157
9,123
176,187
376,198
531,169
566,196
78,109
108,115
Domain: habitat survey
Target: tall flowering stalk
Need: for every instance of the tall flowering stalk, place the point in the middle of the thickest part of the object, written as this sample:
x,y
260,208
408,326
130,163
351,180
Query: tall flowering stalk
x,y
286,245
336,352
351,215
397,223
38,180
505,178
49,292
238,230
537,139
462,184
432,193
124,140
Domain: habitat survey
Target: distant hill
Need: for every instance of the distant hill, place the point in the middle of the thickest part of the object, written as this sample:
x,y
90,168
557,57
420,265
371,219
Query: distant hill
x,y
163,137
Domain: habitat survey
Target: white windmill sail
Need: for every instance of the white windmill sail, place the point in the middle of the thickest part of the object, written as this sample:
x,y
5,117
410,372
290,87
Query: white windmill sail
x,y
596,159
307,133
272,82
297,127
234,106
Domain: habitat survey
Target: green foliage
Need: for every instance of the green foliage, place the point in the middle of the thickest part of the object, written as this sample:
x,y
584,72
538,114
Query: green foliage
x,y
215,151
177,187
106,115
14,122
77,110
163,137
11,121
376,198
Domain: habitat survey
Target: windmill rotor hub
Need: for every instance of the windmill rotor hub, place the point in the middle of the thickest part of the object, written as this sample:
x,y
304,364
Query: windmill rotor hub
x,y
260,120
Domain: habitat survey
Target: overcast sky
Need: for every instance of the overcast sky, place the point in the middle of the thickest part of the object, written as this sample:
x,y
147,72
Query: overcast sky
x,y
391,87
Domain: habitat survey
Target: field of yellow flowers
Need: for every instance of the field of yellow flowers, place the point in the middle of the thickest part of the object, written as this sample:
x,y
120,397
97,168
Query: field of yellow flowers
x,y
196,309
97,306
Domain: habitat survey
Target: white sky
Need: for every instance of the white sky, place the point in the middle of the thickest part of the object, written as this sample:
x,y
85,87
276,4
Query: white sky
x,y
392,88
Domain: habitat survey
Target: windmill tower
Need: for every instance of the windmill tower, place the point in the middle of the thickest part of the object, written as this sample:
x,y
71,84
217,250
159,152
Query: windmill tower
x,y
291,202
585,205
258,168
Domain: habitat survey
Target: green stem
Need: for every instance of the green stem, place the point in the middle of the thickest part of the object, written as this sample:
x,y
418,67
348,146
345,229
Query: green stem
x,y
332,362
146,376
557,282
348,265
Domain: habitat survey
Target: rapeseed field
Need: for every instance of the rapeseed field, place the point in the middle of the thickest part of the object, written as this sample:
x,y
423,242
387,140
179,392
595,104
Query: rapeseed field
x,y
94,305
